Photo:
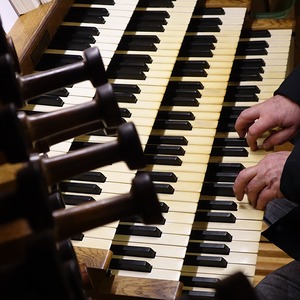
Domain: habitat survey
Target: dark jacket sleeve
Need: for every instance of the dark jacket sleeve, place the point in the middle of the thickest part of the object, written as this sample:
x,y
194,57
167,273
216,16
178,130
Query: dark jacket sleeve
x,y
290,87
290,177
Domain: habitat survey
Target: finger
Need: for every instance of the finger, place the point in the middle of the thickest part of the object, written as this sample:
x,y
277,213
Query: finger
x,y
256,131
278,138
264,198
254,189
244,121
241,182
246,118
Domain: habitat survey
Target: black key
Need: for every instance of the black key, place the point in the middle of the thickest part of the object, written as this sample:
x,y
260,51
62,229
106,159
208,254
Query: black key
x,y
93,176
84,19
208,261
221,177
136,46
179,101
235,96
198,40
133,251
123,65
245,89
125,113
232,111
76,199
189,68
87,11
125,98
204,25
205,282
227,151
80,188
249,63
131,58
196,51
145,26
155,3
223,142
200,10
241,98
199,295
68,45
48,100
126,88
163,160
78,237
189,93
251,51
138,42
128,67
164,188
86,15
127,74
175,115
217,189
217,205
198,64
155,15
172,124
225,167
245,76
253,44
147,21
215,174
79,145
161,176
60,37
255,33
195,85
77,31
150,38
226,127
137,219
220,217
62,92
49,61
210,248
164,207
164,149
211,235
169,140
130,265
138,230
206,21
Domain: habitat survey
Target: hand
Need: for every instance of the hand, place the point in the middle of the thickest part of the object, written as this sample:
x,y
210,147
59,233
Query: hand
x,y
277,111
261,183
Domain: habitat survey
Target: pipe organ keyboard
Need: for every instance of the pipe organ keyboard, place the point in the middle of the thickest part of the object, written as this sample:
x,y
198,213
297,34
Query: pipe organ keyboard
x,y
182,70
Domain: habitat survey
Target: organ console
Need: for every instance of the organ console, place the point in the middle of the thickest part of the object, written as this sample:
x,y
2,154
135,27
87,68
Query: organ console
x,y
181,72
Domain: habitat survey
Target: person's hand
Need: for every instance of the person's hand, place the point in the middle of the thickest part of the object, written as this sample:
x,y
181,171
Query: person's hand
x,y
261,183
276,112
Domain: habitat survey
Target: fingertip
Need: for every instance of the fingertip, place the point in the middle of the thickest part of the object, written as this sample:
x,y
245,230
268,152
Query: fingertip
x,y
238,196
267,146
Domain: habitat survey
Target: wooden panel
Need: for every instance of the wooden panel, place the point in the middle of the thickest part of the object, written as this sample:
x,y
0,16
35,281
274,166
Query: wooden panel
x,y
33,31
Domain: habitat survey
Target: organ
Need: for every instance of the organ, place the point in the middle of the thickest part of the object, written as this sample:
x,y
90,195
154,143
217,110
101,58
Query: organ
x,y
181,72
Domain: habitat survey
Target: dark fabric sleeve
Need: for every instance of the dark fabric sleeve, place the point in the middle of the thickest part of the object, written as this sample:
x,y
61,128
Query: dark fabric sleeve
x,y
290,87
285,233
290,177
